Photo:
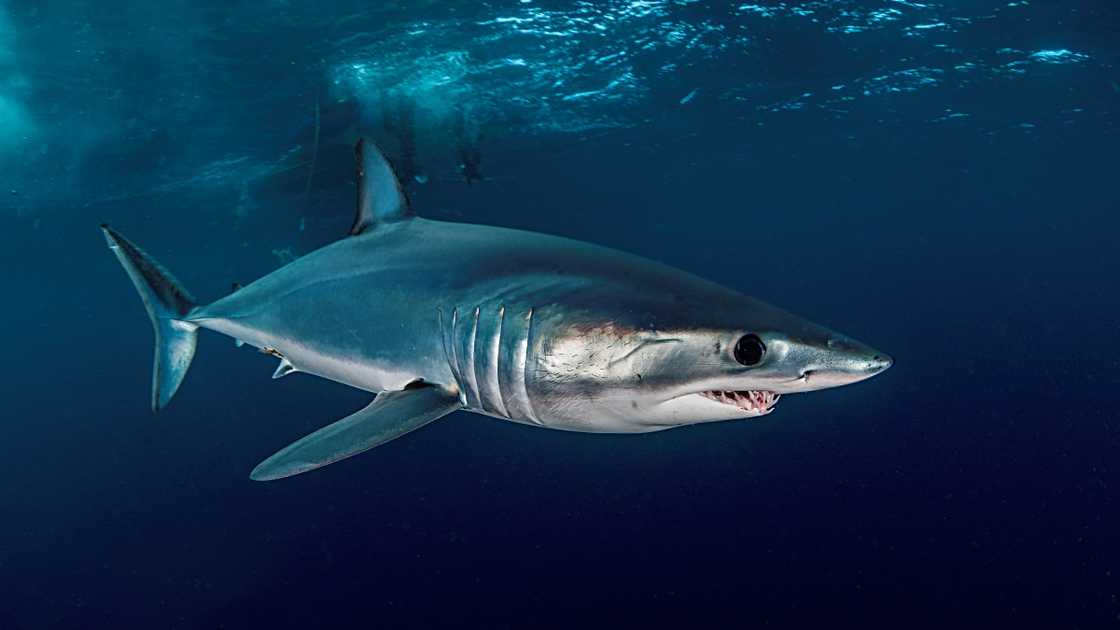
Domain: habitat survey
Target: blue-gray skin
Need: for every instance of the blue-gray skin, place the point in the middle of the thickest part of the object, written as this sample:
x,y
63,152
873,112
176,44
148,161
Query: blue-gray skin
x,y
435,317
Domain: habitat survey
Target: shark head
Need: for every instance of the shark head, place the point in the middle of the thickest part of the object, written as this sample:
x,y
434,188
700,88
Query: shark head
x,y
722,374
713,355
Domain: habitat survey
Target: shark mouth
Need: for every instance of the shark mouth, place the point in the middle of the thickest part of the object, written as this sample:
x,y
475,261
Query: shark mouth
x,y
749,400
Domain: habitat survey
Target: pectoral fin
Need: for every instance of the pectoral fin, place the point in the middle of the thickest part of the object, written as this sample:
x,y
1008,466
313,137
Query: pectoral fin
x,y
389,416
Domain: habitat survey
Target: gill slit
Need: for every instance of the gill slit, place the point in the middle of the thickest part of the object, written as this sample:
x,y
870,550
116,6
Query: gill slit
x,y
472,379
525,367
456,366
448,340
493,364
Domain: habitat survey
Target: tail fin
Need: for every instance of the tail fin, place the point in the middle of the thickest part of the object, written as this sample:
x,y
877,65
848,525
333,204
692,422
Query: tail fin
x,y
167,304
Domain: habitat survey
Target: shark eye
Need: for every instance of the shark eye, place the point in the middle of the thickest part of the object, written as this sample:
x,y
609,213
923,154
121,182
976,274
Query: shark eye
x,y
749,350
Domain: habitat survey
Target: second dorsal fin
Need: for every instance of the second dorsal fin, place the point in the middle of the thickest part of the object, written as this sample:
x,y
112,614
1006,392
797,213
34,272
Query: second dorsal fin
x,y
380,197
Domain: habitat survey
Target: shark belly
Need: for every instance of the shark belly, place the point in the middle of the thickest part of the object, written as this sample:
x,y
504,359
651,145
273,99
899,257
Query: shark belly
x,y
464,311
369,329
362,356
467,307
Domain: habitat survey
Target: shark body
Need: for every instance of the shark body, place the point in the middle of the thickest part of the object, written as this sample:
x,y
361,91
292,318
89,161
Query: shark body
x,y
434,317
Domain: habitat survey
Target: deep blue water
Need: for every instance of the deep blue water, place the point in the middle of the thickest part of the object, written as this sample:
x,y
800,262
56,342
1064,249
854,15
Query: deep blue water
x,y
937,178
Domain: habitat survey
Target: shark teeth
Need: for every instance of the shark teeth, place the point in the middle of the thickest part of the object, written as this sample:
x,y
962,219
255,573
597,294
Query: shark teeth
x,y
749,400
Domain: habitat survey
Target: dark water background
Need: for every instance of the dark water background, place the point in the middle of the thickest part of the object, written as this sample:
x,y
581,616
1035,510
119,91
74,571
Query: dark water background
x,y
937,178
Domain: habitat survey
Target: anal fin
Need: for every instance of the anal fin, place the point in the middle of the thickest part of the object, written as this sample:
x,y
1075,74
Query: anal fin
x,y
389,416
285,368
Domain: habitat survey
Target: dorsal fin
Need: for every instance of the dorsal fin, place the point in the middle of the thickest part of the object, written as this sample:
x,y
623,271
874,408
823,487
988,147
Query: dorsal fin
x,y
380,197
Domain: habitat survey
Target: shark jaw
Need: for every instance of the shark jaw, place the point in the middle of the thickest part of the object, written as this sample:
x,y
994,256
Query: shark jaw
x,y
754,402
711,406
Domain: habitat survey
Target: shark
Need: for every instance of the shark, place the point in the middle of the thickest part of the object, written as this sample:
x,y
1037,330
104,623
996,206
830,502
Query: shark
x,y
433,317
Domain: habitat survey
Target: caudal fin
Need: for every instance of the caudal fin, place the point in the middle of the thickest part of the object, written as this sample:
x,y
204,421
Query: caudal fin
x,y
167,304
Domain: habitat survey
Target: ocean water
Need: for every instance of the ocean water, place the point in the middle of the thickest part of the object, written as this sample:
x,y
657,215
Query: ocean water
x,y
937,178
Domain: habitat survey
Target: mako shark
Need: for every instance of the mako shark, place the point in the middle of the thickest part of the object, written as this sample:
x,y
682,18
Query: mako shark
x,y
436,317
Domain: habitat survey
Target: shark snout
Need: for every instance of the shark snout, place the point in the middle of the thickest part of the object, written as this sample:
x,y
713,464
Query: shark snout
x,y
841,361
866,362
854,359
879,363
